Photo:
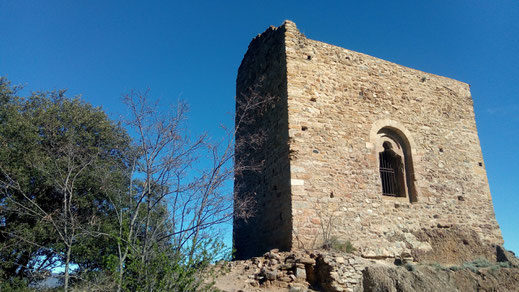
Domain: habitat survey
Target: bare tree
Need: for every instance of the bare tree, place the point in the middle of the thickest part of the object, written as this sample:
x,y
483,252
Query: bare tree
x,y
161,158
187,180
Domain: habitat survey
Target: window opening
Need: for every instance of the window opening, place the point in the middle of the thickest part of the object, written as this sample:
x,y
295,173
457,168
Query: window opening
x,y
395,164
391,172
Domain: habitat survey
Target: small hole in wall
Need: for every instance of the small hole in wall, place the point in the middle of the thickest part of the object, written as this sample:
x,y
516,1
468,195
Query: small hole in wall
x,y
304,128
309,57
331,195
480,163
315,151
461,198
313,99
441,149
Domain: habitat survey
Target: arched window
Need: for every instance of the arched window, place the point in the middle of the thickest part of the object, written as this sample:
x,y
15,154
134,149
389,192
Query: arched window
x,y
392,172
395,164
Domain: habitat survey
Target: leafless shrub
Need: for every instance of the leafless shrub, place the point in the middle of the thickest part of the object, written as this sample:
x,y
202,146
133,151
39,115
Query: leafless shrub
x,y
195,201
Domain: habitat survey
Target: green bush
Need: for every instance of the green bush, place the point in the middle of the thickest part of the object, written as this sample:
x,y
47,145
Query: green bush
x,y
475,265
335,244
439,267
15,284
504,264
482,263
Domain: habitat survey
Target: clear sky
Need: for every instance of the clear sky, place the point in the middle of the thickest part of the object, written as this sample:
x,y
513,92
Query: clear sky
x,y
192,50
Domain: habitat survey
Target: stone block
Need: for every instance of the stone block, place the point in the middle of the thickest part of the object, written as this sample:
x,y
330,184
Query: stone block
x,y
300,273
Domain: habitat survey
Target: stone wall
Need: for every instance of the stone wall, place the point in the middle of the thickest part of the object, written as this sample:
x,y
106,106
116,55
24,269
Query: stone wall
x,y
296,271
337,101
333,102
262,148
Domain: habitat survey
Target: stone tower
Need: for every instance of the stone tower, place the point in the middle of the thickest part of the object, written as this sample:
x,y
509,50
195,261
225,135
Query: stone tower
x,y
355,148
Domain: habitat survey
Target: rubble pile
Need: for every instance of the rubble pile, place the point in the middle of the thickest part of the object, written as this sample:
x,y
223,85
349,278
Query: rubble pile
x,y
331,271
300,271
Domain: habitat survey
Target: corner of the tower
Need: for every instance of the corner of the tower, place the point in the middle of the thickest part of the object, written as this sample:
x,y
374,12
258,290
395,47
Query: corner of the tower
x,y
262,174
289,25
293,36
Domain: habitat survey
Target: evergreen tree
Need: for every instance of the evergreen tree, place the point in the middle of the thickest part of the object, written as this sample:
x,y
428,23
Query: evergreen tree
x,y
55,155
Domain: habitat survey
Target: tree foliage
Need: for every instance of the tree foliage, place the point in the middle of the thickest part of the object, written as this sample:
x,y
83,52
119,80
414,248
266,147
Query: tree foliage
x,y
55,152
80,196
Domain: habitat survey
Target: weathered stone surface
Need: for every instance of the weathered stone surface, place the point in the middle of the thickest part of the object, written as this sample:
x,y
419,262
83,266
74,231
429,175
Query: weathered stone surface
x,y
427,278
333,271
306,261
271,274
261,77
324,133
297,289
300,273
452,246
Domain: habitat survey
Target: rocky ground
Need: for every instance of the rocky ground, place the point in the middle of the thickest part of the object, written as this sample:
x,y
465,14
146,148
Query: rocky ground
x,y
293,271
333,271
438,278
458,261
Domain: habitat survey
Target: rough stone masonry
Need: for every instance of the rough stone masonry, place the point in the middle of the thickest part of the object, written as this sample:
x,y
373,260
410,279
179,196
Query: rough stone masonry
x,y
352,148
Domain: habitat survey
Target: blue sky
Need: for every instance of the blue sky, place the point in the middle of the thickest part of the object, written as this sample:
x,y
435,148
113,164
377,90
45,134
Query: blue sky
x,y
192,50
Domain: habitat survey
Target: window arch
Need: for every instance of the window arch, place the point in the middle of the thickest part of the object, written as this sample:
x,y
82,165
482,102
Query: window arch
x,y
395,164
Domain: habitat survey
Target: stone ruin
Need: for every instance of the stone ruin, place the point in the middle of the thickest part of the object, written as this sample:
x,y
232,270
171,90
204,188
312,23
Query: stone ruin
x,y
354,149
330,271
